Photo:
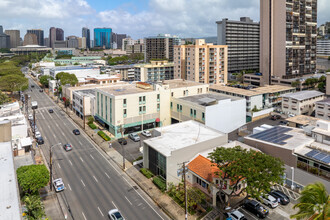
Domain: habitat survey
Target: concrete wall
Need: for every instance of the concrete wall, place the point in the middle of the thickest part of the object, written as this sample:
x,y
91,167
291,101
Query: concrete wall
x,y
5,131
256,101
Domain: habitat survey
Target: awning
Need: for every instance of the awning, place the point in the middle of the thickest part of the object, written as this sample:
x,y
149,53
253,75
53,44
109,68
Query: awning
x,y
157,120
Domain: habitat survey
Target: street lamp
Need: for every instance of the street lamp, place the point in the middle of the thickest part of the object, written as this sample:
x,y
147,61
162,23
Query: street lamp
x,y
292,180
51,166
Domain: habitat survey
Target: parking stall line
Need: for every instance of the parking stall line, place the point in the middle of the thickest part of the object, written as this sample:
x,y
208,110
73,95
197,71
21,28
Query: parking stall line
x,y
114,204
128,200
70,162
69,187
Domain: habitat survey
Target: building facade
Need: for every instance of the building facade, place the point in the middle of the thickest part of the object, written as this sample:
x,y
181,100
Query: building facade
x,y
323,47
322,109
154,72
242,38
72,42
30,39
83,102
288,32
55,34
205,63
4,39
14,37
40,36
86,33
102,37
160,47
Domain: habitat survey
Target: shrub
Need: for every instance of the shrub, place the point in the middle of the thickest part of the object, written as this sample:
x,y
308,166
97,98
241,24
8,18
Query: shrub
x,y
104,136
146,172
160,183
92,126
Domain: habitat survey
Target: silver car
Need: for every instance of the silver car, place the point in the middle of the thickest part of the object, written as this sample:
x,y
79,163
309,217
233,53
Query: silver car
x,y
134,137
269,200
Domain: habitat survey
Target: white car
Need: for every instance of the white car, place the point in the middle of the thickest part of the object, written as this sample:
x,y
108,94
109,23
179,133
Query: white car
x,y
269,200
146,133
30,117
58,185
236,215
134,137
114,214
38,134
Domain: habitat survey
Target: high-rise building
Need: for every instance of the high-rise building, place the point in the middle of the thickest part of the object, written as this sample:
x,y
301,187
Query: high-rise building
x,y
30,39
46,42
160,47
117,39
201,62
72,42
4,39
87,35
102,37
242,38
14,37
55,34
82,42
40,35
288,32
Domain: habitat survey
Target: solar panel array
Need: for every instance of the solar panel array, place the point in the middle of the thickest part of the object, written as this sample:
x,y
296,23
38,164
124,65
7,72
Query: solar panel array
x,y
274,135
318,155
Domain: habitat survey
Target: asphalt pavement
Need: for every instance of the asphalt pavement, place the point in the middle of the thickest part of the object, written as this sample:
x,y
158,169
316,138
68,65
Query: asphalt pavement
x,y
94,184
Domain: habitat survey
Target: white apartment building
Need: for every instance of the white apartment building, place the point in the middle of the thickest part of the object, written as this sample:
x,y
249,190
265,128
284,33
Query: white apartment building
x,y
131,106
202,62
83,102
322,109
154,71
323,47
301,103
77,70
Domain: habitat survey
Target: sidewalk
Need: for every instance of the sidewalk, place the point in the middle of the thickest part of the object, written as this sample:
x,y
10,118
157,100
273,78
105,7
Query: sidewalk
x,y
166,203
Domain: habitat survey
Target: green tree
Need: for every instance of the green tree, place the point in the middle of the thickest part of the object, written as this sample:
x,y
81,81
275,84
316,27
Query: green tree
x,y
295,83
69,79
32,178
3,98
314,203
34,207
13,82
44,80
258,170
90,119
60,75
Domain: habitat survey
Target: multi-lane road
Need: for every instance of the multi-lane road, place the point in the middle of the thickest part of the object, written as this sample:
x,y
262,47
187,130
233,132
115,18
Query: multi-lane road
x,y
94,184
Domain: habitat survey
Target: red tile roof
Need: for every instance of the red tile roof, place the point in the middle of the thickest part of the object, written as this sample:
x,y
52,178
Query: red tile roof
x,y
204,168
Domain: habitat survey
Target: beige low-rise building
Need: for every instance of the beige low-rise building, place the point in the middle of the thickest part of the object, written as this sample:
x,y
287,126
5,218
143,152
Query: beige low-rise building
x,y
301,103
154,71
201,62
322,109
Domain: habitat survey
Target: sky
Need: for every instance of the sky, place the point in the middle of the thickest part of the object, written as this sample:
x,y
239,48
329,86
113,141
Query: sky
x,y
137,18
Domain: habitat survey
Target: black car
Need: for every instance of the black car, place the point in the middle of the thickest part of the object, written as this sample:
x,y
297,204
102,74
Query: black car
x,y
50,110
32,86
40,140
122,141
41,90
283,123
275,117
256,208
76,131
280,196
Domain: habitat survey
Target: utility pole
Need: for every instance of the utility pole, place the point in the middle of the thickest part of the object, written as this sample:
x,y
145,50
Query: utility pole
x,y
27,104
84,111
183,173
122,135
51,165
34,123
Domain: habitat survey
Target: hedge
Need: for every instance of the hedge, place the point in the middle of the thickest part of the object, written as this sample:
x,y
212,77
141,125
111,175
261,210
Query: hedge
x,y
104,136
146,172
160,183
92,126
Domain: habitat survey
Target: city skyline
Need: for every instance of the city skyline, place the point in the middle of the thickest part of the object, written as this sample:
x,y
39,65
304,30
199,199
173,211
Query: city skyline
x,y
136,18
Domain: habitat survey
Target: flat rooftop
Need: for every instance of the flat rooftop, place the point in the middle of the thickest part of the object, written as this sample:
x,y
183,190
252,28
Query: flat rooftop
x,y
283,137
181,135
273,89
303,95
324,101
208,98
124,89
9,198
86,92
303,120
179,83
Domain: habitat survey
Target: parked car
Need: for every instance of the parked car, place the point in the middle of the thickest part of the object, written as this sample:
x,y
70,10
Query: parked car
x,y
58,185
269,200
32,86
134,137
255,208
122,141
291,115
146,133
275,117
67,147
30,117
41,90
40,140
114,214
76,131
280,196
235,215
50,110
38,134
283,122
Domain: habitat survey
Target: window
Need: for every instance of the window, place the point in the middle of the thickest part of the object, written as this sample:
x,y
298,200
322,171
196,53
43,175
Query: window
x,y
124,102
194,113
171,105
203,116
125,113
191,112
158,97
144,109
172,94
180,108
158,107
140,110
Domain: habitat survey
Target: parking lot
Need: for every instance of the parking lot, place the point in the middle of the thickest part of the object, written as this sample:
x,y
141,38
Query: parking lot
x,y
131,149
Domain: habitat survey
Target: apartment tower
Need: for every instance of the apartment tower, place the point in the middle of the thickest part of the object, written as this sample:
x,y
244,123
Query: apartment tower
x,y
201,62
40,35
86,33
14,37
242,38
288,31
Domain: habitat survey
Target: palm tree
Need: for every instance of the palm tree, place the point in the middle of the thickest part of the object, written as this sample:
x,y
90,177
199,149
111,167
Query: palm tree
x,y
314,203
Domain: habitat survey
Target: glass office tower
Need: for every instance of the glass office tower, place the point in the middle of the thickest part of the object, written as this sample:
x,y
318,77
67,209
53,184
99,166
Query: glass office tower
x,y
102,37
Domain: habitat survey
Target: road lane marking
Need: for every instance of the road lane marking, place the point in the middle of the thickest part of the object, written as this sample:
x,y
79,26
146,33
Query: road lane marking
x,y
43,116
69,186
48,126
107,175
62,133
81,159
95,179
114,204
128,200
59,165
56,125
91,156
70,162
83,183
80,143
100,211
84,215
54,136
